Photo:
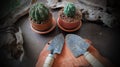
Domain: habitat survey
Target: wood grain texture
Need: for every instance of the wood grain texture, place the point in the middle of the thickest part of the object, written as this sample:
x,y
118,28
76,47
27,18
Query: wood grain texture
x,y
67,59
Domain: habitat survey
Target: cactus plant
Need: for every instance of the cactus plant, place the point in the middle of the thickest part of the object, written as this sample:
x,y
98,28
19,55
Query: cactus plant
x,y
69,10
38,12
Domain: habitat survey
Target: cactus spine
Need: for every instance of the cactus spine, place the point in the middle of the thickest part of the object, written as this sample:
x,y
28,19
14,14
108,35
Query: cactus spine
x,y
38,12
69,10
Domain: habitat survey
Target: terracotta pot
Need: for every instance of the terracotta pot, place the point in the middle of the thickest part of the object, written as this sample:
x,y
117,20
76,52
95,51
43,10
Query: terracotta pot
x,y
42,27
68,25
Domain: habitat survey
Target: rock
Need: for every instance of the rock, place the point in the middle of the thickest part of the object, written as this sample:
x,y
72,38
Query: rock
x,y
11,43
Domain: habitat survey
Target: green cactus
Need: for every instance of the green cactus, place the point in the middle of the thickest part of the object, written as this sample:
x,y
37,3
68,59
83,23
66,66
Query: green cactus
x,y
69,10
38,12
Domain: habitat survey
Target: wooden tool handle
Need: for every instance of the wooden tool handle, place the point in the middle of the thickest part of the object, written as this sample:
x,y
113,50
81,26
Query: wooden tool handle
x,y
49,61
92,60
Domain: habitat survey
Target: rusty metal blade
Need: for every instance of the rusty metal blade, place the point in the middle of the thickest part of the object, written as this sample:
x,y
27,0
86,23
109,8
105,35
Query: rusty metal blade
x,y
57,44
76,44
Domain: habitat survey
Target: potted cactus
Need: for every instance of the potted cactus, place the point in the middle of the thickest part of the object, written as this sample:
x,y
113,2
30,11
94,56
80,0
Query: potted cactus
x,y
69,18
40,17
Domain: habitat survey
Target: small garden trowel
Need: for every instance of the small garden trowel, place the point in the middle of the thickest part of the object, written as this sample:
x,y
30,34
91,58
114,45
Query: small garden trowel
x,y
55,47
78,47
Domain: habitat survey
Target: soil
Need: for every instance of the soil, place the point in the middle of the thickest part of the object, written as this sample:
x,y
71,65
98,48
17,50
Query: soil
x,y
77,17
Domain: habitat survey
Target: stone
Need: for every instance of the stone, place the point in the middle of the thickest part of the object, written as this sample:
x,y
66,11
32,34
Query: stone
x,y
11,43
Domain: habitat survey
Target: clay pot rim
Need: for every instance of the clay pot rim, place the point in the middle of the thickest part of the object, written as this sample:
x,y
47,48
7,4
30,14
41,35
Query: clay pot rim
x,y
32,21
77,10
45,32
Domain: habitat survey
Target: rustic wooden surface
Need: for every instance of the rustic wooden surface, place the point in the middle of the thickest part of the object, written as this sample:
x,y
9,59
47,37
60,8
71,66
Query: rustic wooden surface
x,y
67,59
